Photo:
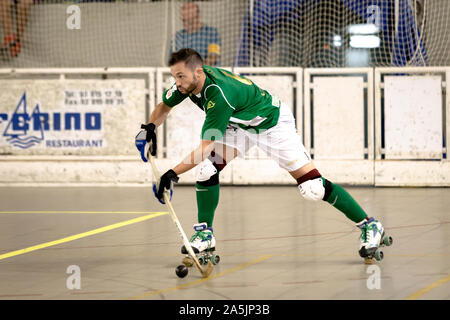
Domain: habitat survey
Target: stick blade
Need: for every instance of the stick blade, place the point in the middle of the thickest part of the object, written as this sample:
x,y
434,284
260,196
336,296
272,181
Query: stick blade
x,y
206,272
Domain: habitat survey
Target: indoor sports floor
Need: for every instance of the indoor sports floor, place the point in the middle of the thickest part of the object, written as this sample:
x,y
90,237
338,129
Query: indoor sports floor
x,y
273,244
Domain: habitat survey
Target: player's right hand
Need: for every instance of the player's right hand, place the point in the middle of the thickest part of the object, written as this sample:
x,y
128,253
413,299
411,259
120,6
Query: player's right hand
x,y
165,183
150,137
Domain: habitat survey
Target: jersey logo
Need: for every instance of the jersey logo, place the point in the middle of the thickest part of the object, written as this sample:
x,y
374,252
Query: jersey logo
x,y
210,105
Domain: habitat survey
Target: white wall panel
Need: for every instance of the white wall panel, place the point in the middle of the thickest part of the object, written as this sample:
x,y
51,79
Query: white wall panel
x,y
338,114
183,129
413,117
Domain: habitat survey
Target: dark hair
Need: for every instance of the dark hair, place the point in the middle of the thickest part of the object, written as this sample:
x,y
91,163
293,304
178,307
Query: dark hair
x,y
189,56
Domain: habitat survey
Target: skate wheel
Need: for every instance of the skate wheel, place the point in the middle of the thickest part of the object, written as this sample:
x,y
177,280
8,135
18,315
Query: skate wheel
x,y
368,260
215,259
202,260
387,241
379,255
188,262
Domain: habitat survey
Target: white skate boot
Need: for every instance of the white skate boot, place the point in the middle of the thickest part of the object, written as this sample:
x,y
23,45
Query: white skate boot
x,y
203,244
203,239
372,237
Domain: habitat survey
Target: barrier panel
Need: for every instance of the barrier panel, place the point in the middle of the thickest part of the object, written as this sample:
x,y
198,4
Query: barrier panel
x,y
339,134
412,126
72,126
362,126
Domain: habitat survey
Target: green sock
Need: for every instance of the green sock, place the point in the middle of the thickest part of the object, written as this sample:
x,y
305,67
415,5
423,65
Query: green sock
x,y
207,201
344,202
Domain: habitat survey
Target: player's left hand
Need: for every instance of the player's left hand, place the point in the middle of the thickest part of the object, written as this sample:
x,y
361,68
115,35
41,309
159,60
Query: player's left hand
x,y
150,136
166,182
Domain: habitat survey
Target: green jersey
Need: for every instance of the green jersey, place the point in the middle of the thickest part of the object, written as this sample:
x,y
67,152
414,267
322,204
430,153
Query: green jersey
x,y
229,98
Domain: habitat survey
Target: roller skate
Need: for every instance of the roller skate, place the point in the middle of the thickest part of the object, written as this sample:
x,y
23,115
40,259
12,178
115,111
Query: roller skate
x,y
372,238
203,244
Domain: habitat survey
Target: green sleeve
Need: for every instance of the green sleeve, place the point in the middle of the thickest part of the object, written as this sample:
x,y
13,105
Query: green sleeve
x,y
218,113
172,96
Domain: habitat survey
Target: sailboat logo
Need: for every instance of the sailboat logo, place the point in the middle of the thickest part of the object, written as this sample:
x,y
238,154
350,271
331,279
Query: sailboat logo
x,y
19,132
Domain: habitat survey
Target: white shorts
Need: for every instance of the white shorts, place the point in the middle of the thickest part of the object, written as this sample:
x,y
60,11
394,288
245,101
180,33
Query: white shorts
x,y
281,142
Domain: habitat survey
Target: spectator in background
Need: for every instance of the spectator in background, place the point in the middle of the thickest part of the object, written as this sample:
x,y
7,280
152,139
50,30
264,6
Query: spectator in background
x,y
195,35
12,39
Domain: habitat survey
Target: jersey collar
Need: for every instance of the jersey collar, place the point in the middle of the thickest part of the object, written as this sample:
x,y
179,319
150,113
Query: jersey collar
x,y
205,85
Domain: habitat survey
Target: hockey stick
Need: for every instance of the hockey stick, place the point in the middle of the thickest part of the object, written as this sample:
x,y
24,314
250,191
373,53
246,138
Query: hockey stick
x,y
209,267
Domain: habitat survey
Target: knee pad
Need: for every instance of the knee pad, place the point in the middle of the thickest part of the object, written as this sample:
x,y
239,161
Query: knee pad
x,y
207,173
312,189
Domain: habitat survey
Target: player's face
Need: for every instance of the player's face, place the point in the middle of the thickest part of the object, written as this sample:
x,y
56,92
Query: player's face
x,y
185,78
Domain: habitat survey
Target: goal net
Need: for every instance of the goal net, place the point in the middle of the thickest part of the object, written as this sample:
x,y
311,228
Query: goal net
x,y
345,33
305,33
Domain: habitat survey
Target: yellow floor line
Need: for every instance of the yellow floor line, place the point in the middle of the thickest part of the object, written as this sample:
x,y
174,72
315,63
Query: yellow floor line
x,y
214,276
81,235
425,290
74,212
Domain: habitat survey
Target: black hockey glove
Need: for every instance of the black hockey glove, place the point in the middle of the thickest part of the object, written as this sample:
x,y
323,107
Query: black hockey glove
x,y
151,136
166,182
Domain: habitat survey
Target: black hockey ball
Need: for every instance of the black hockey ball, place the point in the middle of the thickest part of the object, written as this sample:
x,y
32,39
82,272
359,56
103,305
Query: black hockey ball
x,y
181,271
